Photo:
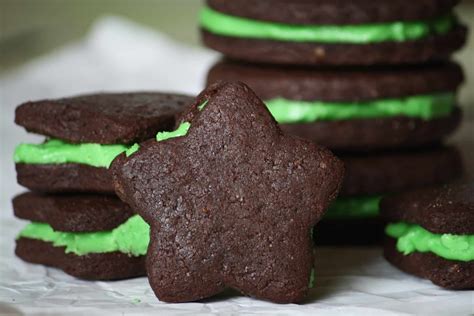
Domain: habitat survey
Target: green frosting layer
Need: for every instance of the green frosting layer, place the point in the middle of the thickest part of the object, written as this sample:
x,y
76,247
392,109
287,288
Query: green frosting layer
x,y
132,237
182,130
354,207
414,238
422,106
57,152
228,25
135,147
202,105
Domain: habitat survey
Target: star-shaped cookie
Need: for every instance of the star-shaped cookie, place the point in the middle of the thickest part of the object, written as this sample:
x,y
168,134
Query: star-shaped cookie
x,y
231,201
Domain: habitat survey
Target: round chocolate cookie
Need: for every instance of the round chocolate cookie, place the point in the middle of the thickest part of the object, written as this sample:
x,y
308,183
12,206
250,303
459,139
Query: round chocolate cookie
x,y
442,210
326,32
377,134
87,132
342,84
391,172
332,12
356,109
430,233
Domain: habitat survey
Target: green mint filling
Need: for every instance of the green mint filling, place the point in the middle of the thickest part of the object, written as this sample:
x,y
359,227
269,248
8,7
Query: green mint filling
x,y
202,105
399,31
425,107
55,151
354,207
182,130
131,237
135,147
414,238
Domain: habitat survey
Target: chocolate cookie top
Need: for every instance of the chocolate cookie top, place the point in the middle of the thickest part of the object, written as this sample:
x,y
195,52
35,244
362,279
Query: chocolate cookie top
x,y
72,213
333,11
444,210
349,84
230,204
106,118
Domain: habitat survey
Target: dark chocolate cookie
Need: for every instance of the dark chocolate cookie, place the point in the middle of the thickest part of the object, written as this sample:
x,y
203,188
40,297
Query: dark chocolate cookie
x,y
449,274
431,49
108,118
430,233
445,210
343,84
230,204
60,178
390,172
73,212
103,266
377,134
408,85
333,11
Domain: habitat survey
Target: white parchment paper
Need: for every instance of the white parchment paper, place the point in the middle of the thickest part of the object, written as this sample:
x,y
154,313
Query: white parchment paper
x,y
118,55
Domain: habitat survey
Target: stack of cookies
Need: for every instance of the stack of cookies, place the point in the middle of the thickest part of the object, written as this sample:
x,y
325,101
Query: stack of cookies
x,y
194,195
372,81
78,224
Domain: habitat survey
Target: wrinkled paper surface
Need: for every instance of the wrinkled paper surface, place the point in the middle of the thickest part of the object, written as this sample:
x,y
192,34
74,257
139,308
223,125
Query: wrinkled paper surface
x,y
118,55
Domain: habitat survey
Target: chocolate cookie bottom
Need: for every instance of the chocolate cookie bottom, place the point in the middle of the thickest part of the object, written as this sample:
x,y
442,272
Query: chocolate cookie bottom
x,y
104,266
342,84
450,274
376,134
397,171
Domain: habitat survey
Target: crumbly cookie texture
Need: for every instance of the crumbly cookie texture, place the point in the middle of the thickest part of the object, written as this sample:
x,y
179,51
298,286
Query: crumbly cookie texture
x,y
231,203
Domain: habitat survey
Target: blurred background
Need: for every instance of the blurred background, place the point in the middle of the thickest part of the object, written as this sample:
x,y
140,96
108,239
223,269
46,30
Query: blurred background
x,y
33,27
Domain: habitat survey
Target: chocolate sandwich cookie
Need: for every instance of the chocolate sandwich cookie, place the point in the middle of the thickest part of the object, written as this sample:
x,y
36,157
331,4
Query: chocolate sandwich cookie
x,y
430,234
328,32
356,109
93,237
84,134
368,178
235,202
